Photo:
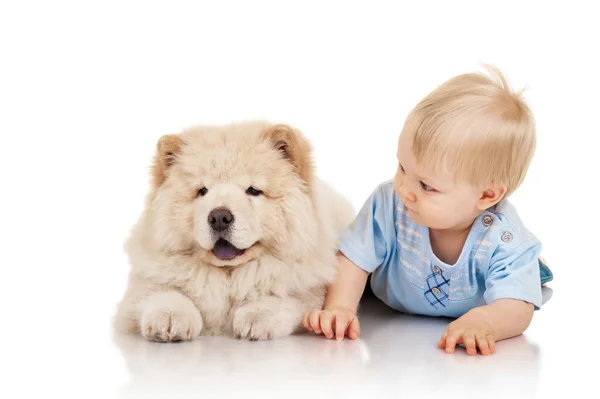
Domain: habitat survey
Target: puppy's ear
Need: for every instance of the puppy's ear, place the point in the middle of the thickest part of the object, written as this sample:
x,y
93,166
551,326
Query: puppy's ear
x,y
293,146
168,148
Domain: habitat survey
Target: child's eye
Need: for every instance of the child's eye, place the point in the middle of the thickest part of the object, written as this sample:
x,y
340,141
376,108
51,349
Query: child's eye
x,y
426,187
401,167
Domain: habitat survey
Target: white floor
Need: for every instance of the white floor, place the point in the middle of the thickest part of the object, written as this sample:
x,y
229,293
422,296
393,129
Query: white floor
x,y
73,353
396,355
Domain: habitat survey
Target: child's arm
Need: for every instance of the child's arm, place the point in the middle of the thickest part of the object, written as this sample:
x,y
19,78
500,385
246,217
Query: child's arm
x,y
483,326
362,248
508,317
348,287
341,303
513,292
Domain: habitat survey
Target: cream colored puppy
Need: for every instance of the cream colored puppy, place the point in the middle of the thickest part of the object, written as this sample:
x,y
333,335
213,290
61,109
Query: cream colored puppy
x,y
237,237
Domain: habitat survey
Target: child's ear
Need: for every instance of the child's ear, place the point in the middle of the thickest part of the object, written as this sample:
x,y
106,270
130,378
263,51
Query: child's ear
x,y
491,195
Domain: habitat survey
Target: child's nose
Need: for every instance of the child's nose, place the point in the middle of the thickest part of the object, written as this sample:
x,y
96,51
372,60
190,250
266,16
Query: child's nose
x,y
407,195
412,197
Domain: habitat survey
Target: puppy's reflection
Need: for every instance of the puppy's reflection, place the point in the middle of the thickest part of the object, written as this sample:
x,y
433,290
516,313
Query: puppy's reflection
x,y
226,367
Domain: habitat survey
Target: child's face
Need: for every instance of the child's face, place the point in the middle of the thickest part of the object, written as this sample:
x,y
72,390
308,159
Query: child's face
x,y
434,199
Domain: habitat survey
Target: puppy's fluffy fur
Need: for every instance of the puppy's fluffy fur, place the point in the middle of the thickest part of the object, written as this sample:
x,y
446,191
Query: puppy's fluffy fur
x,y
269,262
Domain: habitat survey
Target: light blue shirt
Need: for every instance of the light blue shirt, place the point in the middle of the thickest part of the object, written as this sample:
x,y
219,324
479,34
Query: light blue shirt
x,y
499,259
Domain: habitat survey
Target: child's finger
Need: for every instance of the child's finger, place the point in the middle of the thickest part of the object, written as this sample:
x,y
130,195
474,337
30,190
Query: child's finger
x,y
482,343
469,341
491,342
314,321
340,326
326,319
306,322
454,337
450,343
442,342
354,329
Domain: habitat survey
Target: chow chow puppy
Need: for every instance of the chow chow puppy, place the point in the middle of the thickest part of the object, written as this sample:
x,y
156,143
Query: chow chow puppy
x,y
237,238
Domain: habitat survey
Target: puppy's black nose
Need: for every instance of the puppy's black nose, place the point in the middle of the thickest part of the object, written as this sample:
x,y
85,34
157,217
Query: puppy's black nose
x,y
220,219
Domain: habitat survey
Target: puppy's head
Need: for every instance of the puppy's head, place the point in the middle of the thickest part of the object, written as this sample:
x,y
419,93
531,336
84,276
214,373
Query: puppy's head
x,y
231,192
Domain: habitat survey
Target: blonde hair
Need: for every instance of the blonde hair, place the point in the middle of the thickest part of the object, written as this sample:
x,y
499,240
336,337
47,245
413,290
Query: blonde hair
x,y
476,128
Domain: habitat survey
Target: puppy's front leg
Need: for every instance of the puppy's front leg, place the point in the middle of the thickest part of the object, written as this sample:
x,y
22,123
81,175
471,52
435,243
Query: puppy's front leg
x,y
269,317
165,316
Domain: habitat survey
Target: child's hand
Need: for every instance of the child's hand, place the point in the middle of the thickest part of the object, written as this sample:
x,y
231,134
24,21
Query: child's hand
x,y
339,319
473,331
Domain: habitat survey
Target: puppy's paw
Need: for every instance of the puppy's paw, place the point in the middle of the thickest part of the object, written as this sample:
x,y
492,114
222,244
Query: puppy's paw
x,y
259,321
166,320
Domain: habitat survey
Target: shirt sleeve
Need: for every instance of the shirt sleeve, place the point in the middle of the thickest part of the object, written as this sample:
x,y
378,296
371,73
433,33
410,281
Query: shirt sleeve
x,y
515,274
364,242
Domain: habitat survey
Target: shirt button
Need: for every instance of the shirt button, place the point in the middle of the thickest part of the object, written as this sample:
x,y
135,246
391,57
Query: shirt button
x,y
507,237
436,291
437,270
487,220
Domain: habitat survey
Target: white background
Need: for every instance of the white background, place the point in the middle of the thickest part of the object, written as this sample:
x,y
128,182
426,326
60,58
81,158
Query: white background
x,y
87,88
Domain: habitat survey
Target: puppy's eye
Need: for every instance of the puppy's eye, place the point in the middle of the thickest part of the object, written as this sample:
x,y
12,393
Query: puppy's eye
x,y
253,191
202,192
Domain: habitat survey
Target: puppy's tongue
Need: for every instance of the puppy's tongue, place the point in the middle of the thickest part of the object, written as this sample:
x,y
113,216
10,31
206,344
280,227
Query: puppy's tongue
x,y
224,250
